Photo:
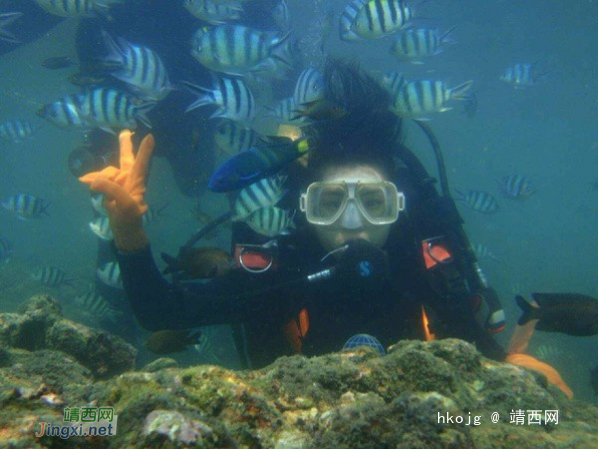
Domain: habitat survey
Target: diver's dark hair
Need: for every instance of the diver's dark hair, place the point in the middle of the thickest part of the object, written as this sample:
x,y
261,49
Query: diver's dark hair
x,y
368,133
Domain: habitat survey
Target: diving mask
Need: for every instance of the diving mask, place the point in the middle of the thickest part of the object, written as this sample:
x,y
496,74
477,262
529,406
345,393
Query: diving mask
x,y
379,202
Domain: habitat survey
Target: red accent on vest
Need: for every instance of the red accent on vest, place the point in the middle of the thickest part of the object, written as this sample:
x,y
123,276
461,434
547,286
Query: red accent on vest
x,y
434,254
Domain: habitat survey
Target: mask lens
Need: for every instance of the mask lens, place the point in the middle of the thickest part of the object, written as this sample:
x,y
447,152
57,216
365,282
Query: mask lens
x,y
330,200
378,202
374,201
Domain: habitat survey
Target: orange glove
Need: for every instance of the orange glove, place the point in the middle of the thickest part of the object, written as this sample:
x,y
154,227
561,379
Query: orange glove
x,y
124,189
527,361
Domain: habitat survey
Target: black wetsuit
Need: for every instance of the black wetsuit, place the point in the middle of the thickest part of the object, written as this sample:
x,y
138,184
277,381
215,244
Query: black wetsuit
x,y
260,306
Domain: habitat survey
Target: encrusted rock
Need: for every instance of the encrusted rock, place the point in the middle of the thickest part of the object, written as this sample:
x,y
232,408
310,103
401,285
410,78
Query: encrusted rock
x,y
160,364
39,326
176,427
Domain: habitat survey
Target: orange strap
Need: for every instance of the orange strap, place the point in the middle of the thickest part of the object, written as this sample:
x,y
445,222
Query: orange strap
x,y
296,329
429,336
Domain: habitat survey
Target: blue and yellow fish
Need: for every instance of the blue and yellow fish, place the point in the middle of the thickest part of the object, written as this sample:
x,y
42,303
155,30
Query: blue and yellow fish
x,y
257,163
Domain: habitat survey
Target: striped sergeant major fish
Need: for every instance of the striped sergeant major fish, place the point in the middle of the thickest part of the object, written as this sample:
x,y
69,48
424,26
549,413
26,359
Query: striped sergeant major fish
x,y
379,18
94,303
110,108
97,202
285,112
414,44
207,348
109,274
392,82
26,206
52,277
515,187
138,66
234,49
101,227
274,67
309,87
68,112
283,59
415,99
102,107
263,193
271,221
347,19
478,201
212,12
76,8
281,16
17,131
231,138
5,20
521,75
231,95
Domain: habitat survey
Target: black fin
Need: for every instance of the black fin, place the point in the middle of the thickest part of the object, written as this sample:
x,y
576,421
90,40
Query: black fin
x,y
526,308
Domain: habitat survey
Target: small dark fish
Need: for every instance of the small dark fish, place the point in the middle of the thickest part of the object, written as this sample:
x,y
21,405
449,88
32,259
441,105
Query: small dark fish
x,y
199,263
167,341
320,110
257,163
470,105
594,379
58,62
478,201
568,313
87,79
515,187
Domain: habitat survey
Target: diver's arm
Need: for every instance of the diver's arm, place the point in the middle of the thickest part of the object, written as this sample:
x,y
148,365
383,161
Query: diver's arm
x,y
159,304
457,320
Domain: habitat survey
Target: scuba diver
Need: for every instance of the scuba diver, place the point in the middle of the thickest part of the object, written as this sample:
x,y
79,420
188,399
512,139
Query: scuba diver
x,y
372,254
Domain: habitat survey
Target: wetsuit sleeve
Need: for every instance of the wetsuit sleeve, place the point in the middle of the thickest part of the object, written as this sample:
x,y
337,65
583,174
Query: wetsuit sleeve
x,y
459,321
159,304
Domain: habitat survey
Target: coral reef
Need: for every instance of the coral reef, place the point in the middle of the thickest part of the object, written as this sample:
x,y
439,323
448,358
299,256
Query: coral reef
x,y
344,400
38,325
